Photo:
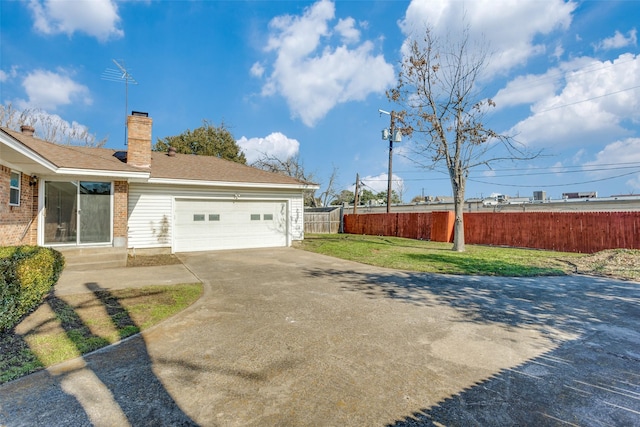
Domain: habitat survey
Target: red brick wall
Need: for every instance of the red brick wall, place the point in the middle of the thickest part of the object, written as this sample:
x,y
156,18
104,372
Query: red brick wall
x,y
18,224
120,208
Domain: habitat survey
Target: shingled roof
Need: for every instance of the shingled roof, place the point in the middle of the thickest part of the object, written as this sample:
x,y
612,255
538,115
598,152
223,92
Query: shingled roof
x,y
209,168
179,167
72,157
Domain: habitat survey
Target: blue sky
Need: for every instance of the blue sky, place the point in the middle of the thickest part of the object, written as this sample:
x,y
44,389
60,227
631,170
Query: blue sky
x,y
308,78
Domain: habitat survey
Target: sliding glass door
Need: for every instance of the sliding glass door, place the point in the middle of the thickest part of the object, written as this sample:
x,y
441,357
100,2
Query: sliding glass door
x,y
77,212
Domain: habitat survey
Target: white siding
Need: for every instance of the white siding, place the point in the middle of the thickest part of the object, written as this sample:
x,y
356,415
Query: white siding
x,y
150,217
297,218
151,209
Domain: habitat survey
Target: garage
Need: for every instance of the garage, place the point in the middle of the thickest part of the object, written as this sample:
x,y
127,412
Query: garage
x,y
204,225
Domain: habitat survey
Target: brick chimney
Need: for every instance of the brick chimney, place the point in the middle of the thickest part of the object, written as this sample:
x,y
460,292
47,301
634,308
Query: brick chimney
x,y
139,140
27,130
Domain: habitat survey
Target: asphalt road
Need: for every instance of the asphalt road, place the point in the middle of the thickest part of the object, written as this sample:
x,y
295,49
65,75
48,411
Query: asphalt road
x,y
288,338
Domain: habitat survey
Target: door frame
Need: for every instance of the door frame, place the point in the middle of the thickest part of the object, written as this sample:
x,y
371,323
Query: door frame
x,y
42,213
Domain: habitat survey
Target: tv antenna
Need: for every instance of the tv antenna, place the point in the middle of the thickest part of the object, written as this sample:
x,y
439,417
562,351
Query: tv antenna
x,y
121,74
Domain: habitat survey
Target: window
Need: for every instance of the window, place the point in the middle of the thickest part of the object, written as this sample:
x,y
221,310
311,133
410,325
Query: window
x,y
14,189
268,217
198,217
214,217
255,217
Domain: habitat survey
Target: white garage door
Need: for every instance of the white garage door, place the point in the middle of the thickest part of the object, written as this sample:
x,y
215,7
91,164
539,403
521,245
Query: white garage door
x,y
203,225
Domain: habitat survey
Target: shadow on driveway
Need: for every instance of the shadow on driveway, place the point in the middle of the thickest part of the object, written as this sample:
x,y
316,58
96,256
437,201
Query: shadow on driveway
x,y
113,386
285,337
591,379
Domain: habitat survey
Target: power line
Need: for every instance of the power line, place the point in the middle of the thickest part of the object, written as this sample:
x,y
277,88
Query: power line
x,y
613,165
586,100
569,171
524,174
555,185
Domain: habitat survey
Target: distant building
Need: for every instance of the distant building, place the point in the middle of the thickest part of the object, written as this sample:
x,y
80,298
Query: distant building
x,y
581,195
539,196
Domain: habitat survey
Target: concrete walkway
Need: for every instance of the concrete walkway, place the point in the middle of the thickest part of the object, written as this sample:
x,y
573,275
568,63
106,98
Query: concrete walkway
x,y
75,282
283,337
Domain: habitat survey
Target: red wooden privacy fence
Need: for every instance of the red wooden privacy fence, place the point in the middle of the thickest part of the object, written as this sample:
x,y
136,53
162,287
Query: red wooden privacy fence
x,y
585,232
414,225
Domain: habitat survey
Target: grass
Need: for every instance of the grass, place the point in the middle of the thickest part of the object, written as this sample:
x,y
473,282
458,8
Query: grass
x,y
66,327
435,257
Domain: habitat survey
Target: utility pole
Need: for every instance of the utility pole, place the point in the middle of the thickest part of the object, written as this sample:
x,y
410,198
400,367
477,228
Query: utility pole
x,y
357,193
393,136
389,181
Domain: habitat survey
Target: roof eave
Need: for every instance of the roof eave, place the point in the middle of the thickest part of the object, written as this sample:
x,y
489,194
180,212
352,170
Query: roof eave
x,y
174,181
22,149
102,173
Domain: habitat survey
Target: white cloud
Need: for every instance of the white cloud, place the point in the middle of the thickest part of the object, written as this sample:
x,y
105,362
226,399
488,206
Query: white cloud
x,y
618,40
314,76
532,88
558,52
618,153
508,26
594,103
577,157
379,183
614,157
257,70
275,145
5,76
527,89
48,90
348,32
96,18
634,183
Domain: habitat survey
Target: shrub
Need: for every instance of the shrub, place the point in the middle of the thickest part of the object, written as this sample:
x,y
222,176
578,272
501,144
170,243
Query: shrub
x,y
27,274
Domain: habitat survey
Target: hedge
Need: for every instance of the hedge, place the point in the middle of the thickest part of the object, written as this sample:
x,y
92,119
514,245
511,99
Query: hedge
x,y
27,274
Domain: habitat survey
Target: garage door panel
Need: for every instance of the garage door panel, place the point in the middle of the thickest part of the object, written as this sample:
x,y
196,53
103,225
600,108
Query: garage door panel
x,y
212,225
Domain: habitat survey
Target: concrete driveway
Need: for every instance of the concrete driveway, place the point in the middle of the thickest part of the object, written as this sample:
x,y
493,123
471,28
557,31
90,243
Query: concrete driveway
x,y
284,337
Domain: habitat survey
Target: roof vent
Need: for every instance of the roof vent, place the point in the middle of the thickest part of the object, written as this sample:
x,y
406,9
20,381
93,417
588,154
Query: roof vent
x,y
171,152
27,130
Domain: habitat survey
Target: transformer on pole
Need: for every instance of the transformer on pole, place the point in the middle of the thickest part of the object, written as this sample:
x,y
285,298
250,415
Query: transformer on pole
x,y
393,135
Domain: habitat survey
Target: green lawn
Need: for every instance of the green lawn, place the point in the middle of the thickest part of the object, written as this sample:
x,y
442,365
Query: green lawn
x,y
65,327
435,257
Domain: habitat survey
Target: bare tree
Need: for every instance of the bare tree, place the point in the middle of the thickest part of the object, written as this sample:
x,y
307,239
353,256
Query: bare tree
x,y
12,118
49,127
444,112
330,193
401,189
292,167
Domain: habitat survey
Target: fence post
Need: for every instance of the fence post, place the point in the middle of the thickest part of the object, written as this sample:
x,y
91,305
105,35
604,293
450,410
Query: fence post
x,y
442,226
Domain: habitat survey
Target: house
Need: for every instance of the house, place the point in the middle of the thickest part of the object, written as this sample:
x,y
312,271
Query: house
x,y
68,196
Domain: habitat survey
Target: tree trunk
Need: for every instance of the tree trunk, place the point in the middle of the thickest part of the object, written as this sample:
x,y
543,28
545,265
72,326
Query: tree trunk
x,y
458,226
